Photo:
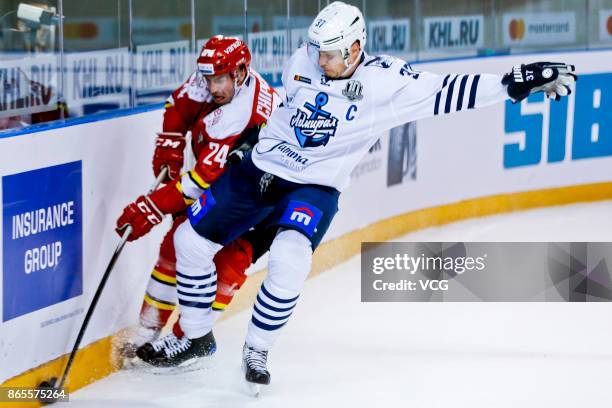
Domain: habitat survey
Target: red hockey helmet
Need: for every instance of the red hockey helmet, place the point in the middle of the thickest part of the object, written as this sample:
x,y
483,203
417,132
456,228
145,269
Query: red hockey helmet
x,y
222,55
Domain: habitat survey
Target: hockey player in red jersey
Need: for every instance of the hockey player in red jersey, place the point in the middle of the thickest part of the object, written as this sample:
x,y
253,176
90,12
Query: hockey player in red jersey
x,y
223,104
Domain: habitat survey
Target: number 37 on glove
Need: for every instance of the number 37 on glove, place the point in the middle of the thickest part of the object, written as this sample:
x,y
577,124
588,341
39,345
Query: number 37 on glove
x,y
552,78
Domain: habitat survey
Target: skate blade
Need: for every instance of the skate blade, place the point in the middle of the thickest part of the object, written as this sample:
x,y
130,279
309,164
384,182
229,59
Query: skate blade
x,y
194,364
254,389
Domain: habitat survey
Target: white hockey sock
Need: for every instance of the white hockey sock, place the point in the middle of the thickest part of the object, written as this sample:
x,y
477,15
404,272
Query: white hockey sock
x,y
196,280
215,315
288,266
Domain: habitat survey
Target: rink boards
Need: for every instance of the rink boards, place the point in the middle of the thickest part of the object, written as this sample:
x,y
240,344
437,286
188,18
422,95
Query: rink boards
x,y
63,188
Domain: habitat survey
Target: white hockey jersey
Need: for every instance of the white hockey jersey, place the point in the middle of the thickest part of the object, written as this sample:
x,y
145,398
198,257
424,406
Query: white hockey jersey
x,y
324,127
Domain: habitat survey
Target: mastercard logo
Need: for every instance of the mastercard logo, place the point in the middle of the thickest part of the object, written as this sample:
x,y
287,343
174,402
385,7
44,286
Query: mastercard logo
x,y
517,29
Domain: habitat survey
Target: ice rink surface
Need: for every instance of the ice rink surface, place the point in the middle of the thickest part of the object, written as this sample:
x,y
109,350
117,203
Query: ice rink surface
x,y
338,352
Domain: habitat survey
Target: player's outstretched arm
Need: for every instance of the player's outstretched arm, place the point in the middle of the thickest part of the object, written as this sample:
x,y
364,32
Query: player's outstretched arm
x,y
425,94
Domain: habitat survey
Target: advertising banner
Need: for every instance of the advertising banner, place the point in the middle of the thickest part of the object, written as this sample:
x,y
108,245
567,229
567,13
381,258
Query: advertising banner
x,y
454,32
539,28
97,80
42,238
161,68
269,52
29,85
389,36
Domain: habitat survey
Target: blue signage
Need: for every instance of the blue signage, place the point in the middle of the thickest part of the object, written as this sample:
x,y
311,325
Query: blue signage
x,y
591,131
42,238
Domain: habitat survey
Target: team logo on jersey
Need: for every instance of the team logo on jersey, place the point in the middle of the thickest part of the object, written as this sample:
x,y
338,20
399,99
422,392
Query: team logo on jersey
x,y
381,61
213,118
409,71
352,90
317,127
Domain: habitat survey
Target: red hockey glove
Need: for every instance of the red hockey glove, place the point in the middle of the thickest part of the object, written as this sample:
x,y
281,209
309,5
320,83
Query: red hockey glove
x,y
169,152
142,215
170,199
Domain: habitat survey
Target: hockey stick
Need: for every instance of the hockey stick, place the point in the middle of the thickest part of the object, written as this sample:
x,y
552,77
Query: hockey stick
x,y
52,382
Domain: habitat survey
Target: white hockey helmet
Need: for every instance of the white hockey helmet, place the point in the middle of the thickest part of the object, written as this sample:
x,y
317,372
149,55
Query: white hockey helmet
x,y
337,27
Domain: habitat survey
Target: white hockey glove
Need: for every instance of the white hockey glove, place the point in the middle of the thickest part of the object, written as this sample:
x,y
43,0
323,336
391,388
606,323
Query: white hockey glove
x,y
552,78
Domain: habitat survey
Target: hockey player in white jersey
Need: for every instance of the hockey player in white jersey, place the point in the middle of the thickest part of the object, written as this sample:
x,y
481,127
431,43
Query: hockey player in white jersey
x,y
338,100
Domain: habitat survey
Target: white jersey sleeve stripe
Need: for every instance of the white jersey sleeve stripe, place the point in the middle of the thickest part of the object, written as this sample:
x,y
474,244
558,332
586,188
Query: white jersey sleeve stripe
x,y
461,95
439,95
449,95
472,102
